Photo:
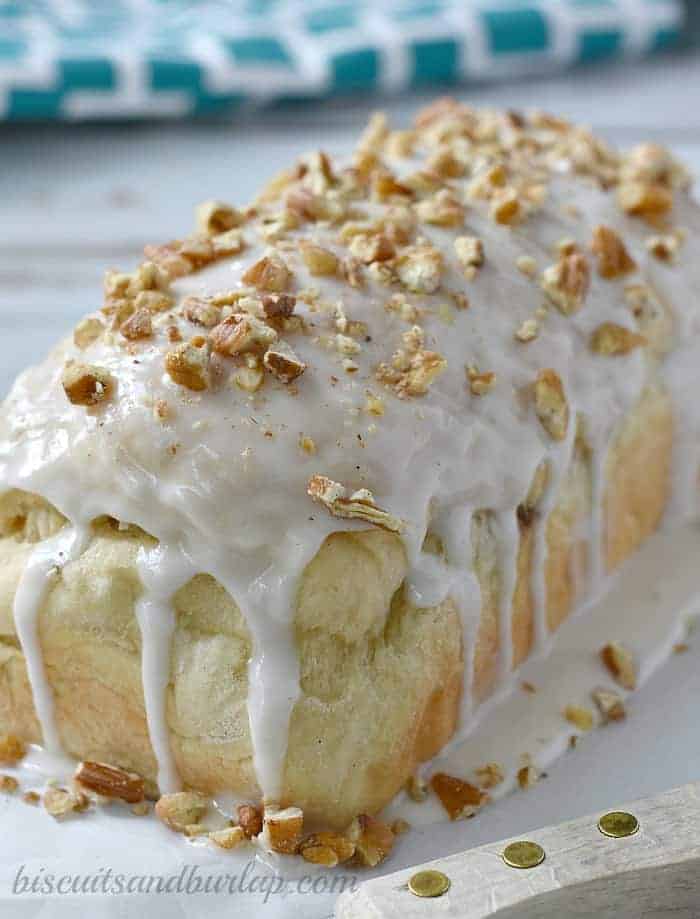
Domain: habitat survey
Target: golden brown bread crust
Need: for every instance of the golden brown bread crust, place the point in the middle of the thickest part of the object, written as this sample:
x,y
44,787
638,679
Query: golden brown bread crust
x,y
380,680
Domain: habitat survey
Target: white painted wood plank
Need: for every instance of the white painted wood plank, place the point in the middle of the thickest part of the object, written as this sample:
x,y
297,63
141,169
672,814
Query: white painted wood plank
x,y
654,874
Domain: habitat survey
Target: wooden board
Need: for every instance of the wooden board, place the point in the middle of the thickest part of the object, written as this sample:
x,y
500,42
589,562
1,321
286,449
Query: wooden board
x,y
653,874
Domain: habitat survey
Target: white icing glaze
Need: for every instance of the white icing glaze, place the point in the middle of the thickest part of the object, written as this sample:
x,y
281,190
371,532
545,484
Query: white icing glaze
x,y
222,483
162,572
48,557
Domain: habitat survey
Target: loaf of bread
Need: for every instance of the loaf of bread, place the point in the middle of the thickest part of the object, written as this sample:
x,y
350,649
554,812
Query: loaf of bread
x,y
315,480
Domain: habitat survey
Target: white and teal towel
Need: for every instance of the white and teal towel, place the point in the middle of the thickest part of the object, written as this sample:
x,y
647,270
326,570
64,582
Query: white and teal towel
x,y
74,59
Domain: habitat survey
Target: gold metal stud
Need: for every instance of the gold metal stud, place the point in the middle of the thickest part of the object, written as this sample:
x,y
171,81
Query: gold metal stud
x,y
618,824
523,854
429,884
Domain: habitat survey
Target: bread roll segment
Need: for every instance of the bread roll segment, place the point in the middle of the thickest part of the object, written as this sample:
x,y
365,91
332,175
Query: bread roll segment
x,y
342,465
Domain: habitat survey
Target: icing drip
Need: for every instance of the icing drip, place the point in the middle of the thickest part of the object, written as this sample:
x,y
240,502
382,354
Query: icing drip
x,y
273,674
509,539
162,571
46,559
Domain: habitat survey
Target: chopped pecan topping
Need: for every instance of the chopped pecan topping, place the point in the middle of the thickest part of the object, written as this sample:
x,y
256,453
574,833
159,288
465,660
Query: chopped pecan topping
x,y
268,273
250,377
620,663
646,200
373,839
169,258
326,848
375,133
181,810
528,776
442,209
480,383
459,798
664,247
284,828
419,268
446,164
373,404
505,207
137,326
155,301
188,366
400,143
650,163
613,340
278,306
320,262
241,332
610,705
359,505
417,788
526,265
59,802
566,283
371,247
614,260
201,312
527,330
579,716
110,781
385,186
85,384
490,775
411,371
229,838
283,363
250,819
551,405
215,217
470,251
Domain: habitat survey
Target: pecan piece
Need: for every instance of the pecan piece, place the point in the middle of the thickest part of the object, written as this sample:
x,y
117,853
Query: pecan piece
x,y
250,819
85,384
268,273
372,838
566,283
620,663
359,505
612,340
181,810
614,260
284,828
188,365
459,798
110,781
137,326
283,363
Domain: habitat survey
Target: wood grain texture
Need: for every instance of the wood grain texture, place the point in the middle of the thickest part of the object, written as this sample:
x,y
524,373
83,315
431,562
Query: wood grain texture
x,y
651,875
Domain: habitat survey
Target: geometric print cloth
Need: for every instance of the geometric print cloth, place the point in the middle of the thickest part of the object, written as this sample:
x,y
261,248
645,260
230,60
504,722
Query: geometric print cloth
x,y
116,59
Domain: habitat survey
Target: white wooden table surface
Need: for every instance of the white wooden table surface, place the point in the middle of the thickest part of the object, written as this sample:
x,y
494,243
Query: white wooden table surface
x,y
76,200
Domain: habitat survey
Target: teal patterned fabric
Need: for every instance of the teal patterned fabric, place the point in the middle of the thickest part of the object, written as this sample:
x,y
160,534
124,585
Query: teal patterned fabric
x,y
82,59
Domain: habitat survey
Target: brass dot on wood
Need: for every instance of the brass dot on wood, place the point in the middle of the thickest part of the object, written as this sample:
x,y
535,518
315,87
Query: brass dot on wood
x,y
429,884
618,824
523,854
